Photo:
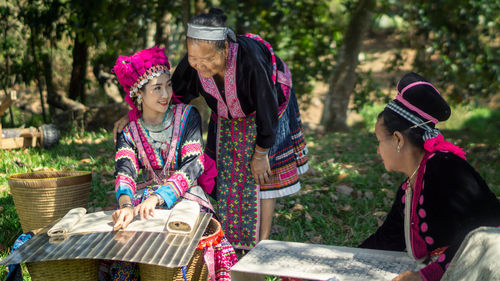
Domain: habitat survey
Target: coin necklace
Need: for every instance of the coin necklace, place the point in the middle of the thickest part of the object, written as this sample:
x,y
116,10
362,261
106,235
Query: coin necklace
x,y
158,135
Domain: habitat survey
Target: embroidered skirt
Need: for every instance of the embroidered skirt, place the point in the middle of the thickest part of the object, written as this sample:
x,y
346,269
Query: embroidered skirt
x,y
238,196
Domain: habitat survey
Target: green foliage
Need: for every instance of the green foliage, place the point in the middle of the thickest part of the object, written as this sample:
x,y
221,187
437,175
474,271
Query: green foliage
x,y
367,91
303,33
457,44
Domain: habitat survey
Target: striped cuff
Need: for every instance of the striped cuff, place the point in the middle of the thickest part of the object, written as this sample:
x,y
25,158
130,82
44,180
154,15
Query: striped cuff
x,y
123,190
168,194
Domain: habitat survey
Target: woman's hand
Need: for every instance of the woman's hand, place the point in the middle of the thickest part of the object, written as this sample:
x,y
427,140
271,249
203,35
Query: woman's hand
x,y
260,168
408,276
147,208
122,217
119,125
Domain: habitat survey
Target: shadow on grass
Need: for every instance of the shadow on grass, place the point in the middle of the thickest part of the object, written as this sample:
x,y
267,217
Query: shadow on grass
x,y
322,213
9,222
480,129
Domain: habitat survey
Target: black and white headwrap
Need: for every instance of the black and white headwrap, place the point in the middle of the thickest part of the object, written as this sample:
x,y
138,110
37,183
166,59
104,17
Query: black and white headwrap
x,y
415,120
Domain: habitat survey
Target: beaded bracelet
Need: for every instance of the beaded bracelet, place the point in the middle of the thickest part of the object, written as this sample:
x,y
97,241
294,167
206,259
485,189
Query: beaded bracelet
x,y
125,205
261,152
160,199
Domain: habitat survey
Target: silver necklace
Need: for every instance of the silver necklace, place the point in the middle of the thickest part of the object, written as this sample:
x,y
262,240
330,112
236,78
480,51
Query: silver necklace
x,y
158,135
160,126
408,182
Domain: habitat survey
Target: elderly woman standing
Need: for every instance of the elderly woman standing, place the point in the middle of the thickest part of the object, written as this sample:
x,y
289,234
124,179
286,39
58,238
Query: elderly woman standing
x,y
255,134
443,198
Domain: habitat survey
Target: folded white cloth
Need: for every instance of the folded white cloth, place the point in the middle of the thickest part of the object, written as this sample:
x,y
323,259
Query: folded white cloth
x,y
67,222
183,217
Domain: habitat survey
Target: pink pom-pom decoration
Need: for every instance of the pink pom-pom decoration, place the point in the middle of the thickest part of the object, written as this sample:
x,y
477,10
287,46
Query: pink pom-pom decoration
x,y
439,144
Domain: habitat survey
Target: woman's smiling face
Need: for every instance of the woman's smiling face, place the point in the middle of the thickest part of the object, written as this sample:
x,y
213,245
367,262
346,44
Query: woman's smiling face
x,y
157,93
206,58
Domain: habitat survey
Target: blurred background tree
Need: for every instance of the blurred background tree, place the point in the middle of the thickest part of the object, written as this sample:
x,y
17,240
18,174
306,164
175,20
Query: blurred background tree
x,y
63,50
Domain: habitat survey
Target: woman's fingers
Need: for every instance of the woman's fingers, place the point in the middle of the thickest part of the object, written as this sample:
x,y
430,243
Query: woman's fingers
x,y
115,215
266,177
127,218
118,218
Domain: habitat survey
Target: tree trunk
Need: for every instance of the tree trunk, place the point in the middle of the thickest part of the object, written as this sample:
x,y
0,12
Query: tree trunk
x,y
54,99
79,72
37,72
186,12
160,30
343,79
51,92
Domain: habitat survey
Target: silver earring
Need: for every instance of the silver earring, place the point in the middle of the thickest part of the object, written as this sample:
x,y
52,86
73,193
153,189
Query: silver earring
x,y
399,149
139,102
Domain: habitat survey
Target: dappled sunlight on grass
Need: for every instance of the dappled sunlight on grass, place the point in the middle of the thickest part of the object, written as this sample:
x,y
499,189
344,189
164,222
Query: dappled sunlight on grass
x,y
344,197
348,193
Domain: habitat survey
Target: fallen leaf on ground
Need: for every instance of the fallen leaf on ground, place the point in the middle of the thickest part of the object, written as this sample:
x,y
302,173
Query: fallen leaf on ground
x,y
349,231
85,161
333,197
380,213
318,239
344,189
388,192
345,208
298,207
342,176
379,221
308,217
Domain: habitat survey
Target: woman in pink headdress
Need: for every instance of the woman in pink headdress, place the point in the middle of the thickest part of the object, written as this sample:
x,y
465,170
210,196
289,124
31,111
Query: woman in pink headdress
x,y
443,198
163,140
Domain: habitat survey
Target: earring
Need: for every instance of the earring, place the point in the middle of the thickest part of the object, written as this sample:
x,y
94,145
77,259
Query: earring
x,y
139,102
399,149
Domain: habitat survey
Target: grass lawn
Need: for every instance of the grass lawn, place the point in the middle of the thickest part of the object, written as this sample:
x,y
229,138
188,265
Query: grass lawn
x,y
344,196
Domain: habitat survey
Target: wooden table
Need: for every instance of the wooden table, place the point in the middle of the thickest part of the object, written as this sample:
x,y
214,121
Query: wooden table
x,y
319,262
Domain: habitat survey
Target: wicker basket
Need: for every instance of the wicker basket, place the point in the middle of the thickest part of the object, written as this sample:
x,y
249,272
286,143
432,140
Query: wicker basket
x,y
196,268
40,199
43,197
74,270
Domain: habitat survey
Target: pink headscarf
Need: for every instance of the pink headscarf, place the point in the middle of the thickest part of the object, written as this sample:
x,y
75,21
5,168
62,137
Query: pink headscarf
x,y
136,70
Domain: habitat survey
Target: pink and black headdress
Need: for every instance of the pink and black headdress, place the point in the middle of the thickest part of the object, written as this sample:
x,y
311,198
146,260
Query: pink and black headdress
x,y
137,70
420,103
